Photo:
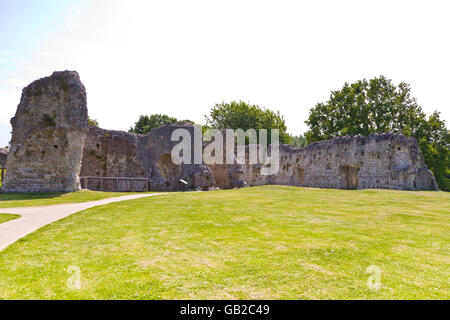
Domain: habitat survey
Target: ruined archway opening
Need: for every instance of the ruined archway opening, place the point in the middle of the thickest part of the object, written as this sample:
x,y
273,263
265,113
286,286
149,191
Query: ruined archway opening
x,y
300,175
349,177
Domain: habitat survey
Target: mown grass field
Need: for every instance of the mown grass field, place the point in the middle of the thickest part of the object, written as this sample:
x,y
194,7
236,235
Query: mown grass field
x,y
268,242
7,217
12,200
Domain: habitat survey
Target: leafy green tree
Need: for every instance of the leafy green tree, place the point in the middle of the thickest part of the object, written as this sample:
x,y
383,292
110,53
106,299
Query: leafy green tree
x,y
240,115
434,141
298,141
377,106
147,123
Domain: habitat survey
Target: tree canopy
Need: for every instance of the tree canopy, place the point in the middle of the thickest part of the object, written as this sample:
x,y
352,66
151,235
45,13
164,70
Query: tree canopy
x,y
378,106
240,115
147,123
298,141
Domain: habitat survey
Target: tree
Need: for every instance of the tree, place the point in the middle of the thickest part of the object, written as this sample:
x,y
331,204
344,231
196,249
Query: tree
x,y
434,142
147,123
298,141
378,106
240,115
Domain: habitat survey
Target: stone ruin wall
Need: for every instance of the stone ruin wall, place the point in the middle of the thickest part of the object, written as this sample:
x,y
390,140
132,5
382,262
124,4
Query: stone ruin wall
x,y
49,130
52,146
3,157
379,161
109,153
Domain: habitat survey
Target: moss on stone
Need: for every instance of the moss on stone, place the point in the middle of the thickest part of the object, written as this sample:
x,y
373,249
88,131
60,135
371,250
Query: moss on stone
x,y
49,121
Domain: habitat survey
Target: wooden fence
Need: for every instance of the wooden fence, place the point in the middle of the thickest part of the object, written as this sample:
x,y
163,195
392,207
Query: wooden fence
x,y
115,184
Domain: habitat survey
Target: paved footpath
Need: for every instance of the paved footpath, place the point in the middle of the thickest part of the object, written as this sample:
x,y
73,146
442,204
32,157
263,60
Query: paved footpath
x,y
33,218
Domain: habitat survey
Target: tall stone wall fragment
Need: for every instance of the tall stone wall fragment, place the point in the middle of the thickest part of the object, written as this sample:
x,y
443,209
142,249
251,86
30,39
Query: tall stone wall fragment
x,y
49,130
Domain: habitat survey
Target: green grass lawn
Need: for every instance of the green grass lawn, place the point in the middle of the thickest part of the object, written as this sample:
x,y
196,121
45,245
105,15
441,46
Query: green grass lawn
x,y
11,200
255,243
7,217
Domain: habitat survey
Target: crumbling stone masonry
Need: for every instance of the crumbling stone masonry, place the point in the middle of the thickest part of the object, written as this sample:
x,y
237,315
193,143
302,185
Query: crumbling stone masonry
x,y
52,146
3,157
380,161
49,130
109,153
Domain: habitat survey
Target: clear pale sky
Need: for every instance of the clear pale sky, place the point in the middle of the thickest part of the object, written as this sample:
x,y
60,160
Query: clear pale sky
x,y
182,57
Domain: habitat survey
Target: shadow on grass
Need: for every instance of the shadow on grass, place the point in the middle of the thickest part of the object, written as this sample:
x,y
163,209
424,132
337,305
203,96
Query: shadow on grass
x,y
5,217
29,196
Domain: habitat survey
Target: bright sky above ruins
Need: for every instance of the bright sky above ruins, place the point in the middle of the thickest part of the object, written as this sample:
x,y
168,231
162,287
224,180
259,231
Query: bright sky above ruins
x,y
181,57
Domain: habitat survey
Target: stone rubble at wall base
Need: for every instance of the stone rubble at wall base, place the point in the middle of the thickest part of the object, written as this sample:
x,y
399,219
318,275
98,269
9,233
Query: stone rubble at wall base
x,y
52,146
